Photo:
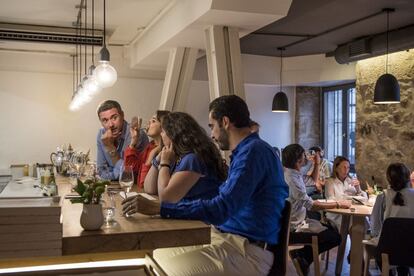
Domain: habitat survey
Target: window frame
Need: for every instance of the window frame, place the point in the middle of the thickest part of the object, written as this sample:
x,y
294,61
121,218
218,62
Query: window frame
x,y
345,116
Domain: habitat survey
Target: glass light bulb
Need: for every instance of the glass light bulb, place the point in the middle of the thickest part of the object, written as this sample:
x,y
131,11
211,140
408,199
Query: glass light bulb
x,y
105,74
92,86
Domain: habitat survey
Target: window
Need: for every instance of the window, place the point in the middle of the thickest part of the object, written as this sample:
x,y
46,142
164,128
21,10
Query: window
x,y
339,112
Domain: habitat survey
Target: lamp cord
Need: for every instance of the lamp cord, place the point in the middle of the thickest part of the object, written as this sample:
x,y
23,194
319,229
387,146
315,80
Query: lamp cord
x,y
86,36
388,27
281,68
93,31
104,16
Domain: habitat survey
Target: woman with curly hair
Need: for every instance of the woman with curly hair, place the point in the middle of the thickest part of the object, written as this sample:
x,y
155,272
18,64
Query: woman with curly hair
x,y
189,166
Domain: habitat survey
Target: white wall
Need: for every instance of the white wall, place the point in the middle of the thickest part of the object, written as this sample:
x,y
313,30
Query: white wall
x,y
35,117
276,128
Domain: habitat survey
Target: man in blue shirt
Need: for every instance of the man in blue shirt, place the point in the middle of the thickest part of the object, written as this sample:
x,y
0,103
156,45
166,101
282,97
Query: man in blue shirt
x,y
112,139
247,211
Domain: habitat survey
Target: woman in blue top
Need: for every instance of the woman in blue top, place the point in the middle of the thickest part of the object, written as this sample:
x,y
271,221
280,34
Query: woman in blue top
x,y
189,166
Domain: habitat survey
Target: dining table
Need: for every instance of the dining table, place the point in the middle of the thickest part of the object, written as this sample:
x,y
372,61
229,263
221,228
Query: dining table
x,y
125,237
353,223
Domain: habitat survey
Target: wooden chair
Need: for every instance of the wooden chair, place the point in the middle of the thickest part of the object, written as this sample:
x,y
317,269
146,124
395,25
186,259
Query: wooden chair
x,y
315,254
394,246
280,251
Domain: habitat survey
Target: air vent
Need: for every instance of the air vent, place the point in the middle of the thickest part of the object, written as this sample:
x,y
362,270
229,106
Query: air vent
x,y
50,38
360,48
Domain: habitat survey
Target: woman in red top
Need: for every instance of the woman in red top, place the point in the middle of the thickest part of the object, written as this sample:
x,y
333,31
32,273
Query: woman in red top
x,y
141,161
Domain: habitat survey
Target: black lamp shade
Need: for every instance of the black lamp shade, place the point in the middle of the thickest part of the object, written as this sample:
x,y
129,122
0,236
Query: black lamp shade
x,y
280,102
387,90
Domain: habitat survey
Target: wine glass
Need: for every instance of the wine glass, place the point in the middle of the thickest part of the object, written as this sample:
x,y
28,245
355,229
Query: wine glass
x,y
126,178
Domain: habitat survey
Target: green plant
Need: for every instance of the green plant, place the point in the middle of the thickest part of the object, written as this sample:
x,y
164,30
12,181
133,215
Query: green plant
x,y
90,191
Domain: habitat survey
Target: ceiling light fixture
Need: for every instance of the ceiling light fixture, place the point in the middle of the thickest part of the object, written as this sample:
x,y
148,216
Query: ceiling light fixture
x,y
280,101
105,74
387,89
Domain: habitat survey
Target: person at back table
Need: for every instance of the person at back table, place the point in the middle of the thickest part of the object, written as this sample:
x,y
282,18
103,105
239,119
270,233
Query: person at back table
x,y
396,201
141,160
302,228
112,139
246,213
341,186
189,166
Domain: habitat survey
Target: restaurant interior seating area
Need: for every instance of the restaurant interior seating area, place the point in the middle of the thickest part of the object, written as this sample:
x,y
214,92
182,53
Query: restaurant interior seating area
x,y
333,78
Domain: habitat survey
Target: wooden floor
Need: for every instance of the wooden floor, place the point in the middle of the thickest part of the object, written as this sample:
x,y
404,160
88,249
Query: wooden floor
x,y
332,262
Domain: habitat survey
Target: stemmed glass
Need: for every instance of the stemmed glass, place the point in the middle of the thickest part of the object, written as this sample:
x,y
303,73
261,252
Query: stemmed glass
x,y
126,178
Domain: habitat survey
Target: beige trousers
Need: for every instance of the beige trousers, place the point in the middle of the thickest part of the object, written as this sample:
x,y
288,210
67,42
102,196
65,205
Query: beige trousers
x,y
228,254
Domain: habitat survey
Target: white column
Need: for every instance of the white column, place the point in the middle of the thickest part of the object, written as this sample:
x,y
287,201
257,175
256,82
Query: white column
x,y
180,70
224,61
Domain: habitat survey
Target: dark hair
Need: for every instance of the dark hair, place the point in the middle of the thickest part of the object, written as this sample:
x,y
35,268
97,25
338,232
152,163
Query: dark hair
x,y
291,155
316,149
338,160
232,107
107,105
160,114
398,175
188,136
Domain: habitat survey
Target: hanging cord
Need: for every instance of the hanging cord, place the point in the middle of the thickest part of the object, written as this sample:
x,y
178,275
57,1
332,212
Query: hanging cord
x,y
281,49
104,17
80,45
76,55
86,36
388,28
73,76
93,31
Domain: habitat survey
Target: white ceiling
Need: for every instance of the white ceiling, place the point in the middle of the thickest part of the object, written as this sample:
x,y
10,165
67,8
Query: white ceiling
x,y
147,28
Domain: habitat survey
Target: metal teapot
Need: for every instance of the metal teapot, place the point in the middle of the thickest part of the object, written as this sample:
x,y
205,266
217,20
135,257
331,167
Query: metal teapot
x,y
61,158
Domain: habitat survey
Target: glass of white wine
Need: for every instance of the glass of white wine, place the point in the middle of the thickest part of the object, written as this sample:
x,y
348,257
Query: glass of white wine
x,y
126,179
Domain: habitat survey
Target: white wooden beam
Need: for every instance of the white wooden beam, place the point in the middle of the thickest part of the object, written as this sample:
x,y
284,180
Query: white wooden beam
x,y
224,61
180,70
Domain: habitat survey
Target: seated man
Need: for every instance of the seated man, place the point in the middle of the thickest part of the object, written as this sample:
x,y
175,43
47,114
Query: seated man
x,y
246,213
302,228
315,173
112,139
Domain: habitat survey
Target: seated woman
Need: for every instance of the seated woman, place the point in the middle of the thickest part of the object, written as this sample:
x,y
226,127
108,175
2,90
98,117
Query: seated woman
x,y
397,201
189,166
141,161
341,186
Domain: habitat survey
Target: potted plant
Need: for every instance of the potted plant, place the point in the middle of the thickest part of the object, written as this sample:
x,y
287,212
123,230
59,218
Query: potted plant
x,y
90,192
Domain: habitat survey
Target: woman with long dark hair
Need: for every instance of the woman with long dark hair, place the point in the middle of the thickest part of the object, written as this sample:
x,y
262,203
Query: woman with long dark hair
x,y
189,166
396,201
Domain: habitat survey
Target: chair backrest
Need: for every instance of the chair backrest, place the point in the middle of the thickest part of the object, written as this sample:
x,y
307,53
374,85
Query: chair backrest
x,y
280,251
397,241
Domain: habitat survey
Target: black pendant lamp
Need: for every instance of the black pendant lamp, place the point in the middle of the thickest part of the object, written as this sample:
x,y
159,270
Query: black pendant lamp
x,y
387,89
280,101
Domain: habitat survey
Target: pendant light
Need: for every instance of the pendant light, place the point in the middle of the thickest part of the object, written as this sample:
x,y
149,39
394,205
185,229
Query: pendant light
x,y
280,101
105,74
387,89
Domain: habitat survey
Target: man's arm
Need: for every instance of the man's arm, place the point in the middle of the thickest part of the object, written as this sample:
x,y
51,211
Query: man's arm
x,y
234,194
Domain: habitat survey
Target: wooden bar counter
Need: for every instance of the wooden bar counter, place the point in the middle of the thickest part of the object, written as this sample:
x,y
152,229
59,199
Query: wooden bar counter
x,y
138,232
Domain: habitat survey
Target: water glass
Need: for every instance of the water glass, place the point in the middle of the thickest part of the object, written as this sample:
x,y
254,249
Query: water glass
x,y
108,207
126,178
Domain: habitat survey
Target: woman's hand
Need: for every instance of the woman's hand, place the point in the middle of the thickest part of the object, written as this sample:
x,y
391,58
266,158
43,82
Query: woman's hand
x,y
167,155
140,204
134,129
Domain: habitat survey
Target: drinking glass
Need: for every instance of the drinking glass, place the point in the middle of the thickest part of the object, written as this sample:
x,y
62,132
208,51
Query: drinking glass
x,y
126,178
108,209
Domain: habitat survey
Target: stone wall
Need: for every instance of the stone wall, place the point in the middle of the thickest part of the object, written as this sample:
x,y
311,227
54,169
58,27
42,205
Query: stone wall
x,y
307,117
385,133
